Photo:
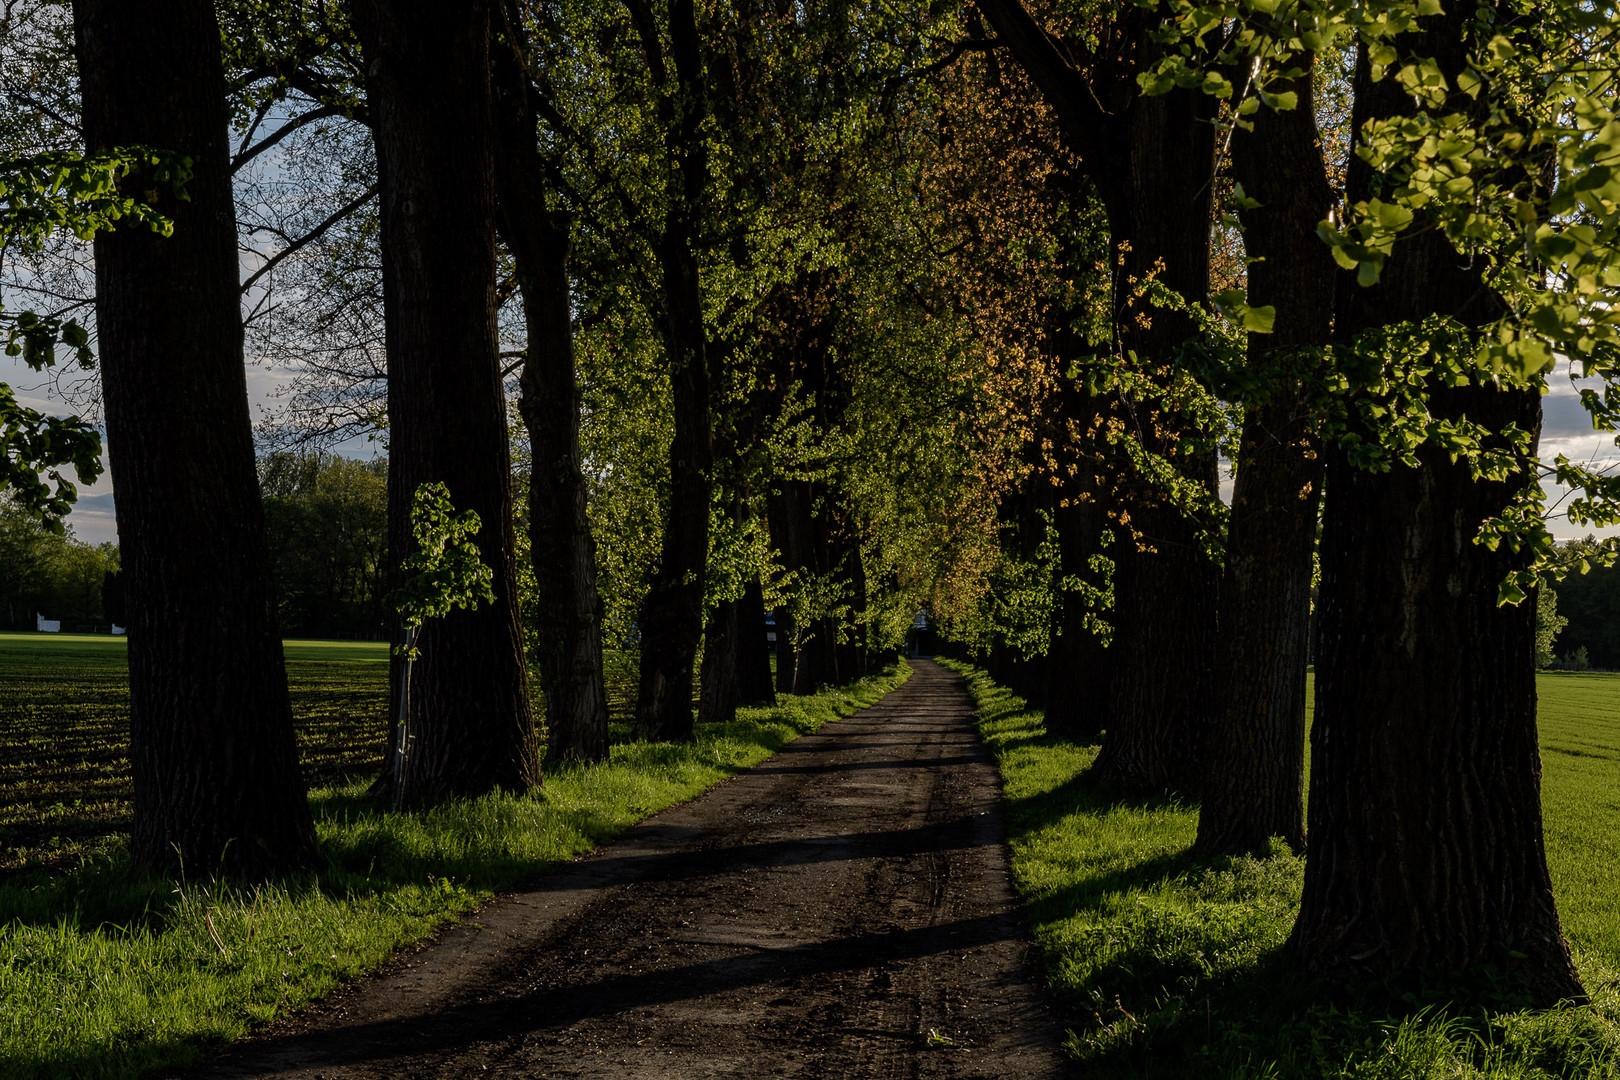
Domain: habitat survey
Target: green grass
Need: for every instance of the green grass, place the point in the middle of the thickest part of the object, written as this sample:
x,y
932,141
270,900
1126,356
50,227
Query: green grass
x,y
108,973
1170,966
1580,800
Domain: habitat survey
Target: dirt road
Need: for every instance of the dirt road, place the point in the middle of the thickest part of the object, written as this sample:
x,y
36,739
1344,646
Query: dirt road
x,y
842,910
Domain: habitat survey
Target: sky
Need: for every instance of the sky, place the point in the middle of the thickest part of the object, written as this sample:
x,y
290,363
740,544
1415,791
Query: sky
x,y
92,519
1566,429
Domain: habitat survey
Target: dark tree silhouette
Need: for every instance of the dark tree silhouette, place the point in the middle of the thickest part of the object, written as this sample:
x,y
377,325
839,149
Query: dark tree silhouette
x,y
469,701
1424,847
215,767
569,630
1254,778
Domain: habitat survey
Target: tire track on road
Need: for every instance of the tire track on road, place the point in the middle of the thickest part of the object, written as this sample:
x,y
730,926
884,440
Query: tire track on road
x,y
841,910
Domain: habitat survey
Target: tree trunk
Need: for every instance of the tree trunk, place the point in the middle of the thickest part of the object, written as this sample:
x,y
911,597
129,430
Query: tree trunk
x,y
796,532
672,614
1078,674
568,632
217,786
1152,160
1164,609
1425,843
718,693
1254,779
469,713
754,684
786,660
1156,188
846,558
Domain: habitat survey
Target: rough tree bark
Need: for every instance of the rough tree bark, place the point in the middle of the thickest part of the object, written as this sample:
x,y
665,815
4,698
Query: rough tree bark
x,y
1254,779
569,631
1079,676
718,692
215,767
1425,844
672,614
469,698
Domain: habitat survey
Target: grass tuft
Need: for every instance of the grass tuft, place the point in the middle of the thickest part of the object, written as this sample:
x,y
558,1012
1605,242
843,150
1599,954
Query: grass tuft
x,y
108,972
1171,965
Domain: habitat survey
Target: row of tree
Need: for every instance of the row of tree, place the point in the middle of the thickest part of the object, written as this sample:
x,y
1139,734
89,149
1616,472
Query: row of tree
x,y
775,397
49,573
1401,308
843,309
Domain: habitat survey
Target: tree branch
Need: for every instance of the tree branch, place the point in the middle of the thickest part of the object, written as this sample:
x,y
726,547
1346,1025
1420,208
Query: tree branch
x,y
647,31
244,156
957,51
253,128
311,236
1060,83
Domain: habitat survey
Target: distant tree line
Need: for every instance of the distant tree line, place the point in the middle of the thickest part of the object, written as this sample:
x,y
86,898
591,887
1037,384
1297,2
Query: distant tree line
x,y
51,573
1589,605
327,521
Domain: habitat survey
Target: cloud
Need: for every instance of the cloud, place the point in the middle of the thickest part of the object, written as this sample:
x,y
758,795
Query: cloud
x,y
1566,428
92,519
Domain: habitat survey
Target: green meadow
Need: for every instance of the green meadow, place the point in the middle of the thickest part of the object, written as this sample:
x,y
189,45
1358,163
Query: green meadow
x,y
1167,965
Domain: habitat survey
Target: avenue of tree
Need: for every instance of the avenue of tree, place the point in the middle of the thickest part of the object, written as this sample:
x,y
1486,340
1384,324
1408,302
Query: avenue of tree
x,y
841,311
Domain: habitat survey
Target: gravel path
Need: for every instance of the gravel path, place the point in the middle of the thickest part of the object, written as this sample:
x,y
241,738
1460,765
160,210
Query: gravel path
x,y
842,910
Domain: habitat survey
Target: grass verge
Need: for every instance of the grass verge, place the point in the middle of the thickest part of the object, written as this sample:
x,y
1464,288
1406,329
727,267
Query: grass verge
x,y
109,973
1166,965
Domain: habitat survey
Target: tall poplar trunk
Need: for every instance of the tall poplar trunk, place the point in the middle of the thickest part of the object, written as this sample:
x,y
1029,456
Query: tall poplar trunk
x,y
1023,528
1425,844
795,533
672,614
846,558
718,694
786,659
1078,674
736,665
217,785
1151,160
568,631
469,713
754,683
1156,187
816,650
1254,779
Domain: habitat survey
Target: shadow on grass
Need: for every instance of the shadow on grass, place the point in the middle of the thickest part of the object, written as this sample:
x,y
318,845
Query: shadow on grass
x,y
1168,964
1157,1010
